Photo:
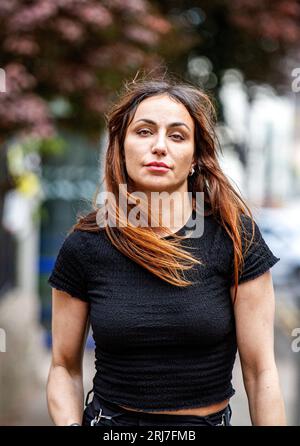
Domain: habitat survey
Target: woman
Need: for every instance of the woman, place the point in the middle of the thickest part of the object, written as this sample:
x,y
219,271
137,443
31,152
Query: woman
x,y
168,309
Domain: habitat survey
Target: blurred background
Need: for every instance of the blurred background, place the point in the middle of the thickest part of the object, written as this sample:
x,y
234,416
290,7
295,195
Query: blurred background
x,y
62,63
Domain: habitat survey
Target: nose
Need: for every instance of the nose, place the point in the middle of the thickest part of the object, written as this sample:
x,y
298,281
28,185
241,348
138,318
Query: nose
x,y
159,145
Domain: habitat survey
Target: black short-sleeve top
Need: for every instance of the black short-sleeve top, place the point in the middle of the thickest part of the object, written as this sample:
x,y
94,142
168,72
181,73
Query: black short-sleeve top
x,y
158,346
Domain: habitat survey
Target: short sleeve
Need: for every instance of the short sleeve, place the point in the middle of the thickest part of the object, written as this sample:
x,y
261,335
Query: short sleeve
x,y
258,257
68,271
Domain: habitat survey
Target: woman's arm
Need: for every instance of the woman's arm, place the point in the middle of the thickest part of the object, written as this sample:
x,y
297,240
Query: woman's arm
x,y
254,313
70,325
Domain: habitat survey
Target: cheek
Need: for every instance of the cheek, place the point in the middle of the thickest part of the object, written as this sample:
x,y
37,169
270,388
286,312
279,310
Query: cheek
x,y
132,149
133,157
183,159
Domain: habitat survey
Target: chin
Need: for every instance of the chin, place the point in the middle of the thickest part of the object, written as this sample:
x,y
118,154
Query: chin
x,y
155,186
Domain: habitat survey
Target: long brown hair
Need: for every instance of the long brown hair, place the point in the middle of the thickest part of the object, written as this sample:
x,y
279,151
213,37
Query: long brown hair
x,y
163,257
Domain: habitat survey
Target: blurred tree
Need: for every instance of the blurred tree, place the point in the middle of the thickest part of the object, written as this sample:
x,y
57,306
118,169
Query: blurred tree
x,y
61,64
258,37
64,59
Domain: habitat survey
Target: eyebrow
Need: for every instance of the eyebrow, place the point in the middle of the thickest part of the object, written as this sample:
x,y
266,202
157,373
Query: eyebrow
x,y
173,124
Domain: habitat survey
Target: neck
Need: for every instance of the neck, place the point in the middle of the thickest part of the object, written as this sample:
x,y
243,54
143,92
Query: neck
x,y
171,211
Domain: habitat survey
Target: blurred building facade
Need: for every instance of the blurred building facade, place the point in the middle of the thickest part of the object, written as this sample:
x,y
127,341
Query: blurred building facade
x,y
264,142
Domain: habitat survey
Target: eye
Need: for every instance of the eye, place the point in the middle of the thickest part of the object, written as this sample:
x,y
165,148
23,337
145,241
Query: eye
x,y
143,130
177,135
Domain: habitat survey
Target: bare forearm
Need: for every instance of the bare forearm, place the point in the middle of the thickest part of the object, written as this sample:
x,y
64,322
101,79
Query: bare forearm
x,y
265,400
65,396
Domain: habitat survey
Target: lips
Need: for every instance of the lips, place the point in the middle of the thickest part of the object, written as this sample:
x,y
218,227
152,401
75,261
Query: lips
x,y
158,164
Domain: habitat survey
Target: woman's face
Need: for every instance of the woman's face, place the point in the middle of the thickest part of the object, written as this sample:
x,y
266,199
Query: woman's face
x,y
162,130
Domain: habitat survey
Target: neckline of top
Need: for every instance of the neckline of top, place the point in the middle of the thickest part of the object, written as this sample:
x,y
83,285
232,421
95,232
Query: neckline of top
x,y
186,227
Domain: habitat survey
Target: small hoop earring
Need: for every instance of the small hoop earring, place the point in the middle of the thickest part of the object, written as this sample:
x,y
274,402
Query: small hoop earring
x,y
191,173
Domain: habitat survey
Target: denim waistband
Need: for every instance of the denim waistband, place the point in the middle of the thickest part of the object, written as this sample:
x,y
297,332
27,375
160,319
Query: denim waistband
x,y
220,417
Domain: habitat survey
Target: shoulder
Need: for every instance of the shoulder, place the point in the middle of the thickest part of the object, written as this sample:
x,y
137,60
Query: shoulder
x,y
81,238
250,231
79,245
73,264
248,223
213,227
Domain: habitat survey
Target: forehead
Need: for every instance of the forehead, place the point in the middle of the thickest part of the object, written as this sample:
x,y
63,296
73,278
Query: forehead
x,y
163,109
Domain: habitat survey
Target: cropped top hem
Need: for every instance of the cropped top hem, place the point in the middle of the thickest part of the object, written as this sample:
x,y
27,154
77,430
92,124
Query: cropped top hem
x,y
204,402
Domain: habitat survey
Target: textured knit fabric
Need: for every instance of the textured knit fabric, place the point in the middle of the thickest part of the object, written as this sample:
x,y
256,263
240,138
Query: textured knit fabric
x,y
158,346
